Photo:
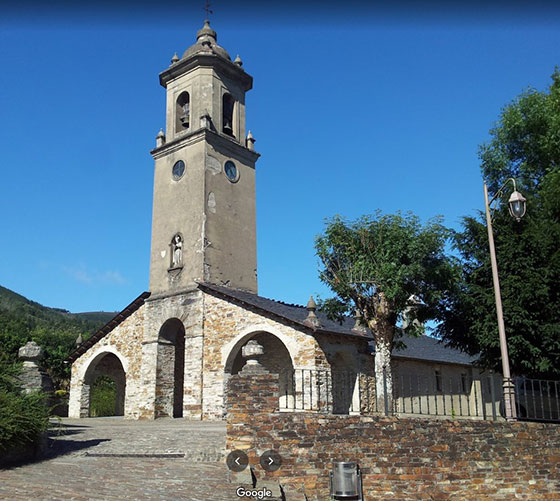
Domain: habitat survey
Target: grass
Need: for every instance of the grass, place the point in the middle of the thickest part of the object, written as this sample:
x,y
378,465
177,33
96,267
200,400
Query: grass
x,y
103,397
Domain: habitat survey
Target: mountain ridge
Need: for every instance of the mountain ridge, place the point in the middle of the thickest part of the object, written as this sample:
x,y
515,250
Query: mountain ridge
x,y
54,329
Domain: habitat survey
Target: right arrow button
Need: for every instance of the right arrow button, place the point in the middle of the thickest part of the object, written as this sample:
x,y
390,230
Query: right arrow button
x,y
270,460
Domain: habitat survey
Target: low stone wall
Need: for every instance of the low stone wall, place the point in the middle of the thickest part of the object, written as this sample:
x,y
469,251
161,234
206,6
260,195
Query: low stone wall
x,y
399,458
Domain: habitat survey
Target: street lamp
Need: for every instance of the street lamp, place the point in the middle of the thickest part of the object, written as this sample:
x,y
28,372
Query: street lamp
x,y
517,207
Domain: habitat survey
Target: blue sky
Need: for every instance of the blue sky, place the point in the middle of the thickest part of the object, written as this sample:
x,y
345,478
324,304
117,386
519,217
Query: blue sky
x,y
353,109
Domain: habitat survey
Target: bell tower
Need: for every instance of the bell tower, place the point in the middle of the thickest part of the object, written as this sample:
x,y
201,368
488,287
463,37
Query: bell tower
x,y
203,223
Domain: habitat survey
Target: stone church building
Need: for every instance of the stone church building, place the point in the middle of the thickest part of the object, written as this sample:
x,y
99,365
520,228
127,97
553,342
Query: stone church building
x,y
172,349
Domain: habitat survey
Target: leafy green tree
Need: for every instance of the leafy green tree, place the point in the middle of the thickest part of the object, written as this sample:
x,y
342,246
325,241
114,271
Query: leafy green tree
x,y
525,145
383,266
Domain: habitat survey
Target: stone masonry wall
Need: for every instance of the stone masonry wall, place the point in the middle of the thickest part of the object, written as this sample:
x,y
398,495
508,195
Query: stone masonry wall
x,y
407,459
124,341
227,327
187,308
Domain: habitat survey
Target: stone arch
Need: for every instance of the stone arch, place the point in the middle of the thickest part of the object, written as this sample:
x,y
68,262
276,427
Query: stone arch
x,y
228,105
276,359
105,363
170,369
235,345
182,112
276,356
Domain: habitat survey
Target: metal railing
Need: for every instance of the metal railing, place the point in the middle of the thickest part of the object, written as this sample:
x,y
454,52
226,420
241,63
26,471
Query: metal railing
x,y
430,395
318,390
537,399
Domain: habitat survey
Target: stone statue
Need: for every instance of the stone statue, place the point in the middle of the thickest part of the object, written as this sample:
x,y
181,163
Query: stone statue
x,y
177,252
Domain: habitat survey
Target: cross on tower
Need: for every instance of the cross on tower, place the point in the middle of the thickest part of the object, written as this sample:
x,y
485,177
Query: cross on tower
x,y
207,9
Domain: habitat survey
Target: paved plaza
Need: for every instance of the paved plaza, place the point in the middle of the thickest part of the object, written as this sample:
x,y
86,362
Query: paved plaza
x,y
113,458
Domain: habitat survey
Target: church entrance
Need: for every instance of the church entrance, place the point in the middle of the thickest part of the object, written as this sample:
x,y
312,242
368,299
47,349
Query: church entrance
x,y
170,369
105,384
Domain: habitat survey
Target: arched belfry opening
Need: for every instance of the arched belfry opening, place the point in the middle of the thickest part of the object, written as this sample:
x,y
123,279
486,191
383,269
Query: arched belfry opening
x,y
228,104
183,112
104,386
276,359
170,369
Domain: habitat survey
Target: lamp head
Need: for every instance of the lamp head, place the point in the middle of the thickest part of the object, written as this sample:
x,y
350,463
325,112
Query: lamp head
x,y
517,205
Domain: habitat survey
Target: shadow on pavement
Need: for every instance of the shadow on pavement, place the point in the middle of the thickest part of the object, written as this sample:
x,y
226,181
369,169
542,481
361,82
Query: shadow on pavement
x,y
66,425
61,447
49,449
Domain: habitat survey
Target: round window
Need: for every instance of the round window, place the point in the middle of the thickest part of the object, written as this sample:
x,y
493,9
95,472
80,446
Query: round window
x,y
178,170
231,171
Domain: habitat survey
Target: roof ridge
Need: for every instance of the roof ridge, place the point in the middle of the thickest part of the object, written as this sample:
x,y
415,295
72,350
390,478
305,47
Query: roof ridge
x,y
209,284
284,303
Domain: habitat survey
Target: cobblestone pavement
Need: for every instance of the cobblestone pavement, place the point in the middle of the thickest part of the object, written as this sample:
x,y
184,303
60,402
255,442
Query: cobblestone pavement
x,y
113,458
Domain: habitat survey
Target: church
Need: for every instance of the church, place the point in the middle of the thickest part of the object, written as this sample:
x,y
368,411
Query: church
x,y
171,350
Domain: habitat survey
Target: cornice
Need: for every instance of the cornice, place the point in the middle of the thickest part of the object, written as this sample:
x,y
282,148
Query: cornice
x,y
206,60
215,139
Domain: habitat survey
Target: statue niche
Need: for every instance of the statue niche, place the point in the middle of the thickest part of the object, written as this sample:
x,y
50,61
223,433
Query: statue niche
x,y
177,251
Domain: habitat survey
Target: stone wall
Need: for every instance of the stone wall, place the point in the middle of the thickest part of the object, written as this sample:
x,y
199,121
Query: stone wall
x,y
407,459
186,308
125,342
227,327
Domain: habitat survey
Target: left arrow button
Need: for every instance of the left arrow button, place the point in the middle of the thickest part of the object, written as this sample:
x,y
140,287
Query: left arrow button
x,y
237,461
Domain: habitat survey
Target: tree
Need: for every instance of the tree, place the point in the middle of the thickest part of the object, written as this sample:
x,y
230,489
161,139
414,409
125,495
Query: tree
x,y
525,145
375,265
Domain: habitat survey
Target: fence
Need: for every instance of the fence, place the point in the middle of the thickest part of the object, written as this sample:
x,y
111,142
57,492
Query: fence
x,y
537,399
347,392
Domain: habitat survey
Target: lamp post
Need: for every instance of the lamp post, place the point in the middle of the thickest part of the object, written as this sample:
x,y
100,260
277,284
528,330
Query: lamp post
x,y
517,207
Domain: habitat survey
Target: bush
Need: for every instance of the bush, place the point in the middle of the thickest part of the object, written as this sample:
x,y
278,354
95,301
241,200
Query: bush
x,y
23,417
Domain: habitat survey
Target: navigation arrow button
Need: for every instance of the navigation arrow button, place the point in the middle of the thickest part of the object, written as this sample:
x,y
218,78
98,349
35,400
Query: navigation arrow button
x,y
271,461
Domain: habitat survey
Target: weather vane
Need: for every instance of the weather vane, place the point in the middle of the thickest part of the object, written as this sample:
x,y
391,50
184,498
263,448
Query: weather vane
x,y
207,9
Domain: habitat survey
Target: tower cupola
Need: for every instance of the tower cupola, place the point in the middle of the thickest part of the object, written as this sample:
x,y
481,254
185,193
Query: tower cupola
x,y
206,42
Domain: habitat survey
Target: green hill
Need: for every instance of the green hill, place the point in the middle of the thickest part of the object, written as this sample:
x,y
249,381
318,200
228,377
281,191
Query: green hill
x,y
54,329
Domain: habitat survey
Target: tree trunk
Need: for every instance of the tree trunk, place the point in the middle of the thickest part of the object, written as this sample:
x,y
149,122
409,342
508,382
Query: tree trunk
x,y
383,376
379,317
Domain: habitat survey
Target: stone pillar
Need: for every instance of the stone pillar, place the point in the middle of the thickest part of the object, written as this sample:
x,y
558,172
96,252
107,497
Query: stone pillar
x,y
252,391
192,392
147,399
32,377
252,396
85,394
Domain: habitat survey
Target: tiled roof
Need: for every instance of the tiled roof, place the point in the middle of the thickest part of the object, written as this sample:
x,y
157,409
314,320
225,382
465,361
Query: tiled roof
x,y
429,348
421,348
293,313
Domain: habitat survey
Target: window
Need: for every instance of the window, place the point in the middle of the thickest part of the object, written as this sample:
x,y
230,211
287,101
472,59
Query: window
x,y
439,385
183,112
227,114
464,383
231,171
178,170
